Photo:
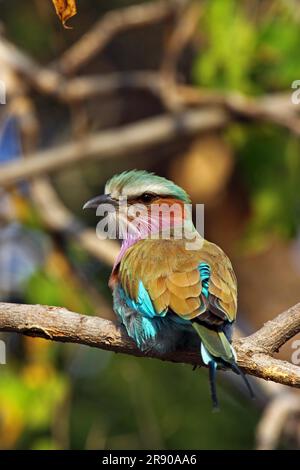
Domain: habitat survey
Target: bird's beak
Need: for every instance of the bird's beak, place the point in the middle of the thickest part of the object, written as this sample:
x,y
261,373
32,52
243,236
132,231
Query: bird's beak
x,y
98,200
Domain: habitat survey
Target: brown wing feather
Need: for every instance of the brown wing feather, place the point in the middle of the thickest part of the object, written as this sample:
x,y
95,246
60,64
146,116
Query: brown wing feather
x,y
223,284
170,274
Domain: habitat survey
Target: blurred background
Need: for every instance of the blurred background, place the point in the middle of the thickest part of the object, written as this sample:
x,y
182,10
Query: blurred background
x,y
197,91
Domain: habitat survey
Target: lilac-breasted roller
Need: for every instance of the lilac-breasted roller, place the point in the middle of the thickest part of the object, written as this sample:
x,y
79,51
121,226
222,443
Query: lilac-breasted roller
x,y
170,286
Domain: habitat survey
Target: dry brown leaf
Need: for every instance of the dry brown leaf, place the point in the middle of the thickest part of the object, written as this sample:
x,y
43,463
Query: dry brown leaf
x,y
65,9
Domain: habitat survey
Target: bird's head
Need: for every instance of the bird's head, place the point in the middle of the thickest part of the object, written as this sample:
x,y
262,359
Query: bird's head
x,y
142,201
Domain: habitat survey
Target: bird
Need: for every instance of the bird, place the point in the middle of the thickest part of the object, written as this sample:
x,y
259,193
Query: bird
x,y
171,287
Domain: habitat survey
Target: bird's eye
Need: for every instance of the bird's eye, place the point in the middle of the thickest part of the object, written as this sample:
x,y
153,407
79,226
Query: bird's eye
x,y
147,197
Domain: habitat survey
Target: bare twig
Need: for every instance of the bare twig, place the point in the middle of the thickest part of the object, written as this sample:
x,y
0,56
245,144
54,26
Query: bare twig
x,y
56,217
58,324
115,143
182,34
112,24
53,213
275,108
82,88
261,346
44,79
274,419
275,333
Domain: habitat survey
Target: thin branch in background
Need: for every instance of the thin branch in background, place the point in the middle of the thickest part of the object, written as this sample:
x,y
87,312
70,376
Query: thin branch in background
x,y
274,420
276,108
112,24
115,143
55,216
44,79
182,33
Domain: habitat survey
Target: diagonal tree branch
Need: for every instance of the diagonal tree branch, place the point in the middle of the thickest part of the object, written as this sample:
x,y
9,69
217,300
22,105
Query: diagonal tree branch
x,y
58,324
115,143
113,23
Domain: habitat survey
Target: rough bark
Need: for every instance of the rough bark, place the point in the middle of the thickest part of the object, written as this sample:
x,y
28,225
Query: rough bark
x,y
255,352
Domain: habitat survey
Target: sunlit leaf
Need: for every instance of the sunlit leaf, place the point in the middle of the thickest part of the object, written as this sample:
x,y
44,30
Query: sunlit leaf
x,y
65,10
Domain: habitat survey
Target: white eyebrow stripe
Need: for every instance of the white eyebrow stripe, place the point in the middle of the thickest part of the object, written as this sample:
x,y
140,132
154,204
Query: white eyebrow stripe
x,y
133,184
149,188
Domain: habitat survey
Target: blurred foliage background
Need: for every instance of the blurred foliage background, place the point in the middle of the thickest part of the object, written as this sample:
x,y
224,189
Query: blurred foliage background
x,y
248,175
